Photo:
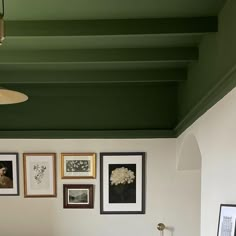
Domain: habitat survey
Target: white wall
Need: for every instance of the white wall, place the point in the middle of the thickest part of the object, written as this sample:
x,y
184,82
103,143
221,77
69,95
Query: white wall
x,y
172,197
215,132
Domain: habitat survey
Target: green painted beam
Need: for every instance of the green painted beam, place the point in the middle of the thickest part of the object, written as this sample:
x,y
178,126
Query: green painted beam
x,y
100,55
112,27
92,76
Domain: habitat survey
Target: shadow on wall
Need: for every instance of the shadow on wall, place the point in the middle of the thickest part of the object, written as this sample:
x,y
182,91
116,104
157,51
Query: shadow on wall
x,y
171,230
189,157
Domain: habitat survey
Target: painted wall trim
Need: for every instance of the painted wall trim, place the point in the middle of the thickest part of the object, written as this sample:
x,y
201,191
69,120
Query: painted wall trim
x,y
224,86
86,134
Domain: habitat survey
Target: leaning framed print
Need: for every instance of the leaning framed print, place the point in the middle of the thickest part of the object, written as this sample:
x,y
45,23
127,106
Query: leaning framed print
x,y
227,220
122,183
78,196
39,174
9,174
78,165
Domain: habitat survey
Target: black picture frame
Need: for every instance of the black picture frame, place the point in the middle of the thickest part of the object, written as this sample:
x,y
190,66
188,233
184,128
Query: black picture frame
x,y
124,195
227,220
9,176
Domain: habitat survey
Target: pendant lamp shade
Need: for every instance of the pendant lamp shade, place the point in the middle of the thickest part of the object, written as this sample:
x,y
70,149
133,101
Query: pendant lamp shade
x,y
11,97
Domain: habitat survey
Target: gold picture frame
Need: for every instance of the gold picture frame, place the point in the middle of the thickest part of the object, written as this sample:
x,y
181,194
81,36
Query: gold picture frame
x,y
39,174
78,165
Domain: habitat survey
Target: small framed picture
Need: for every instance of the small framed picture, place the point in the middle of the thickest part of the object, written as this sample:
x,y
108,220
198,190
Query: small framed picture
x,y
78,165
39,174
78,195
9,174
122,183
227,220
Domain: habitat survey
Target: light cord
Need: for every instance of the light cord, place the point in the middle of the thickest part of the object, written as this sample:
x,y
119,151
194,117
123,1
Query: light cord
x,y
3,11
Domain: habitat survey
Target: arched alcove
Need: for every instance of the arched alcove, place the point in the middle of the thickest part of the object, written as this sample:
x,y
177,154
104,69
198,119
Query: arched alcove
x,y
189,157
189,162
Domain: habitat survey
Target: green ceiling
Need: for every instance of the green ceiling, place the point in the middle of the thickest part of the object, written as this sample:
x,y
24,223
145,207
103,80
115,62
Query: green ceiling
x,y
99,69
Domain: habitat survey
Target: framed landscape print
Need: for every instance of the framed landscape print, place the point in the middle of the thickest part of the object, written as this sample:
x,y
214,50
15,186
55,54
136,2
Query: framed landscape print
x,y
9,174
227,220
122,183
78,165
39,174
78,195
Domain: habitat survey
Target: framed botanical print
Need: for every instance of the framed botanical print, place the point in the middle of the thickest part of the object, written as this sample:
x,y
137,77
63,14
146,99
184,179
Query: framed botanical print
x,y
122,183
227,220
39,174
9,174
78,165
78,195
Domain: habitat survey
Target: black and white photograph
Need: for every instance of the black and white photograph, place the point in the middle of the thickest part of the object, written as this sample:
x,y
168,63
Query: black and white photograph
x,y
227,220
78,165
122,183
78,195
9,179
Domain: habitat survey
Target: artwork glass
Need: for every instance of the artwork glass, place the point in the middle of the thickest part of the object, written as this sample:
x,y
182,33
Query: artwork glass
x,y
227,220
40,174
78,195
78,165
122,179
9,177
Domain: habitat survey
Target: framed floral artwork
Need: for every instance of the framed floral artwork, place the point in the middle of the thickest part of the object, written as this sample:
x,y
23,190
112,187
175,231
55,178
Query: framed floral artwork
x,y
9,174
39,174
227,220
78,165
78,195
122,183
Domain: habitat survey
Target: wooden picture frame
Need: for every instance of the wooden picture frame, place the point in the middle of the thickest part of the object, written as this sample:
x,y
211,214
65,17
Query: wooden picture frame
x,y
39,174
122,183
227,220
78,165
78,196
9,174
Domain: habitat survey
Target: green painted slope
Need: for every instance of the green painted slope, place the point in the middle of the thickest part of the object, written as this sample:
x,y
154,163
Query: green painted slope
x,y
213,75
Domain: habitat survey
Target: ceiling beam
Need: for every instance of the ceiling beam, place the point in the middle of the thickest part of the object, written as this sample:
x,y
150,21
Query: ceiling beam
x,y
112,27
93,76
100,55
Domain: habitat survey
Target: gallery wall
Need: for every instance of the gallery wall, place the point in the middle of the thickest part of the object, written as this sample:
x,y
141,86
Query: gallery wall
x,y
172,197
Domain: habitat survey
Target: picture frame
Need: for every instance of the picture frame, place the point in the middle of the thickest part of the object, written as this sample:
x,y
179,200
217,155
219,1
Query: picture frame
x,y
122,183
227,220
39,174
78,165
9,174
78,196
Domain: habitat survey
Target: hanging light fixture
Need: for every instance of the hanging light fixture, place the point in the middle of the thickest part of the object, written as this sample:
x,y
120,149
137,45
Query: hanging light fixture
x,y
8,96
2,24
11,97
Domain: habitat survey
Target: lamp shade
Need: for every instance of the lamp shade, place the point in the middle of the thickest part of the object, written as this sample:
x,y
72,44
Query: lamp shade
x,y
11,97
